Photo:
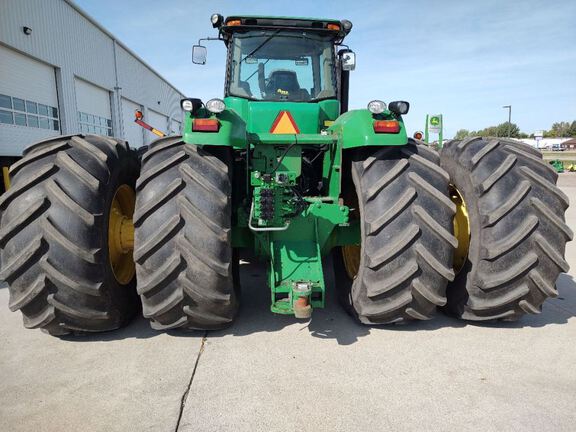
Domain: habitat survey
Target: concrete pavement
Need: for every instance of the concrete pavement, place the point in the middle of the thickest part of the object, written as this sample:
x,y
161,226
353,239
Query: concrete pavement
x,y
271,373
128,380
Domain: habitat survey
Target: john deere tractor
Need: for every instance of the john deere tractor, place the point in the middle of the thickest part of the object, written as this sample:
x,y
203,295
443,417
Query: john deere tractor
x,y
282,168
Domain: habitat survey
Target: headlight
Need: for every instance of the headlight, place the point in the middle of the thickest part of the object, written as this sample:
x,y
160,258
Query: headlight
x,y
376,107
215,106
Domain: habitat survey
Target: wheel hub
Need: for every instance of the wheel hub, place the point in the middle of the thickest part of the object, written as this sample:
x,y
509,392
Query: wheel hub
x,y
461,229
351,256
121,234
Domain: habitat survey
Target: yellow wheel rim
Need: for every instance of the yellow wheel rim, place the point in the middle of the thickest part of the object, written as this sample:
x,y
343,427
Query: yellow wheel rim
x,y
461,229
121,234
351,256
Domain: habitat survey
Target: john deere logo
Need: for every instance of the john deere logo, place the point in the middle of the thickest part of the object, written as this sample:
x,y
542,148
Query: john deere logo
x,y
435,121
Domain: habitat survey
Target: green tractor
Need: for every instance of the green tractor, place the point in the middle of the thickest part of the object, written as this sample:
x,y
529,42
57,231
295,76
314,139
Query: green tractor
x,y
91,229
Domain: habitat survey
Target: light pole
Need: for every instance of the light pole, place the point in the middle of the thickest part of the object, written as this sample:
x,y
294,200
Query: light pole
x,y
509,118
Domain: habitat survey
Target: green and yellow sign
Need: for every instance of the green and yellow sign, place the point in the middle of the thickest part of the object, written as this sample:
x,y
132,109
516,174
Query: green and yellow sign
x,y
434,125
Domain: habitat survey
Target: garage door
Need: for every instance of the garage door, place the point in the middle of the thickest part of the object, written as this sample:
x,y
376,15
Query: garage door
x,y
28,102
133,133
158,121
93,105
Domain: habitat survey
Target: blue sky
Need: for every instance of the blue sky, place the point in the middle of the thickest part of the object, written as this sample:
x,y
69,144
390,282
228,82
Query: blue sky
x,y
464,59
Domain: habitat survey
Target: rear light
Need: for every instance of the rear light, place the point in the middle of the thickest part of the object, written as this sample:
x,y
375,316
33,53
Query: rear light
x,y
386,126
333,27
233,23
205,125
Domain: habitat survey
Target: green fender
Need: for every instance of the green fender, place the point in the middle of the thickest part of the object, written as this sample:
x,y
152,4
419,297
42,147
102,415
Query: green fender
x,y
355,129
245,121
232,131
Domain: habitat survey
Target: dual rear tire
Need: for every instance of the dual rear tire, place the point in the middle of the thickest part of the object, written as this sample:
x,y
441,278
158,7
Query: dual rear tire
x,y
66,235
400,270
54,235
517,229
184,260
492,252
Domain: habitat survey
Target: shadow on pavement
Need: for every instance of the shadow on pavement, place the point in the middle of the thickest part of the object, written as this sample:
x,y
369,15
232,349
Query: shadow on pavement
x,y
332,322
255,316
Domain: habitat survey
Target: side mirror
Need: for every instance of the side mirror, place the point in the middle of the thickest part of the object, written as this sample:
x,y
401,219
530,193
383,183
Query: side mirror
x,y
348,60
199,54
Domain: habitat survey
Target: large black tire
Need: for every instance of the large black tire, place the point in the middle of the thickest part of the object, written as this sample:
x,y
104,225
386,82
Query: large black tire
x,y
183,253
406,235
517,226
54,234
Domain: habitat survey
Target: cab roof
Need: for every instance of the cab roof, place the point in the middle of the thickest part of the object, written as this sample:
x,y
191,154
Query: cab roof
x,y
252,22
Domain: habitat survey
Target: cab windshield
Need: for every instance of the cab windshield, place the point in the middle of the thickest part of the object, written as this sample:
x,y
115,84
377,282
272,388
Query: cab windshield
x,y
281,65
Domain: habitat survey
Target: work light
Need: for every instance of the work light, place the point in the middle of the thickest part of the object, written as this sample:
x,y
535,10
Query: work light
x,y
376,106
187,105
347,25
399,107
216,20
215,105
191,104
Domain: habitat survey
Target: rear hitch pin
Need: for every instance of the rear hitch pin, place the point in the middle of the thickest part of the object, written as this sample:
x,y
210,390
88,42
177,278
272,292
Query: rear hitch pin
x,y
301,300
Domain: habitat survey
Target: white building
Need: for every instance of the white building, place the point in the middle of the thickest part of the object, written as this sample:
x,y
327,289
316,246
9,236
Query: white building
x,y
63,73
544,143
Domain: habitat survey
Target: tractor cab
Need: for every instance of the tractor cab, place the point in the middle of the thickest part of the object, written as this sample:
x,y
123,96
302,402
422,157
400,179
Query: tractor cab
x,y
282,59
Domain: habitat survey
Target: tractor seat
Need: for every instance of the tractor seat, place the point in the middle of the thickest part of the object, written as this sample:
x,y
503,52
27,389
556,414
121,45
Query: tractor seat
x,y
244,85
283,82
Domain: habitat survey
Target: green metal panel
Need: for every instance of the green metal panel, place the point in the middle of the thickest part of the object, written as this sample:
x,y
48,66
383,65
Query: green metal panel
x,y
250,121
232,131
355,129
260,115
245,120
296,253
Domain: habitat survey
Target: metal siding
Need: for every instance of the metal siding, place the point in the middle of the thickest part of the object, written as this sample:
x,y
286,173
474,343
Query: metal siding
x,y
157,120
143,85
175,127
63,37
133,133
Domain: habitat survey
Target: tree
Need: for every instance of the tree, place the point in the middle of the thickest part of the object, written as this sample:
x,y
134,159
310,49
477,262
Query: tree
x,y
561,129
490,131
462,133
500,131
508,129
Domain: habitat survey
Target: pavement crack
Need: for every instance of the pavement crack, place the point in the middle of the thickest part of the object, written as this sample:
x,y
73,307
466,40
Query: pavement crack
x,y
185,395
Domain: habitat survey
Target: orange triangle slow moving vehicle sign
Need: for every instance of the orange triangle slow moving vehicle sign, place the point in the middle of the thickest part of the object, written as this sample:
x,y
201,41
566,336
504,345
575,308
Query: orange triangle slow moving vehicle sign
x,y
284,124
